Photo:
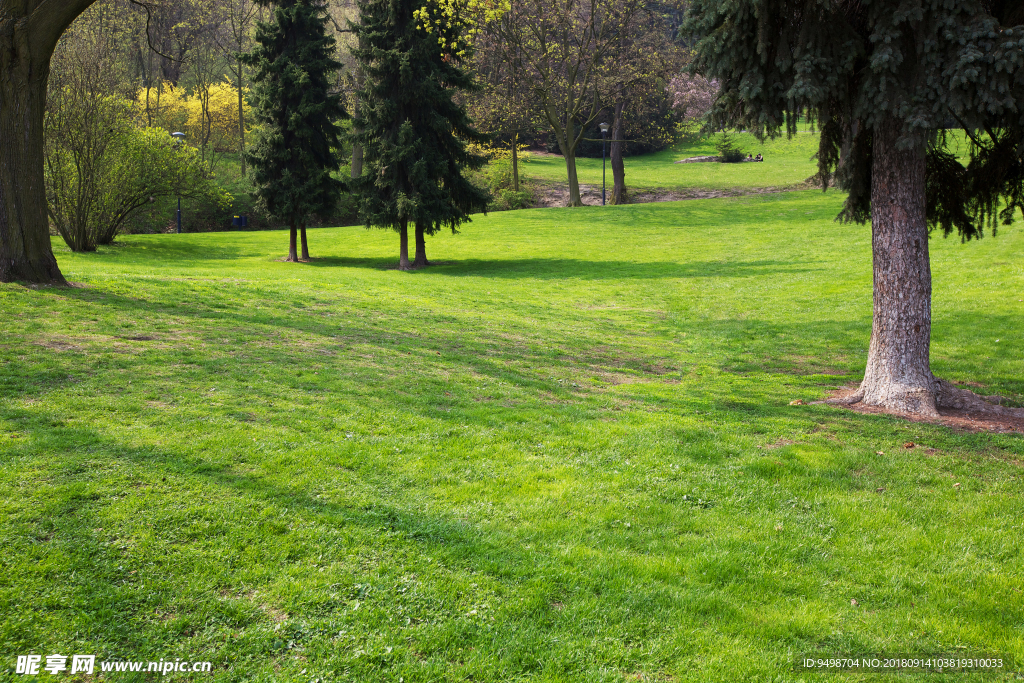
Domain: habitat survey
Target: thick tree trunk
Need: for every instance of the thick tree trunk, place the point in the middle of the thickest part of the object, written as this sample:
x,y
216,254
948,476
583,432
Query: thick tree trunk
x,y
618,167
898,375
403,246
421,247
25,251
305,247
293,256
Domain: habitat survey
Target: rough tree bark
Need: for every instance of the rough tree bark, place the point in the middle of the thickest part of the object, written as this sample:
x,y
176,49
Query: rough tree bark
x,y
618,167
293,255
421,247
403,246
305,246
898,375
29,30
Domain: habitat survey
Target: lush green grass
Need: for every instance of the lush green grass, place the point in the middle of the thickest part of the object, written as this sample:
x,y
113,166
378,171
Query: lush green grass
x,y
567,454
787,162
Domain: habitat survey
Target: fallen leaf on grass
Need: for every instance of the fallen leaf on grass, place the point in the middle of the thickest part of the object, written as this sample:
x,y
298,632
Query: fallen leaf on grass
x,y
909,444
798,402
853,601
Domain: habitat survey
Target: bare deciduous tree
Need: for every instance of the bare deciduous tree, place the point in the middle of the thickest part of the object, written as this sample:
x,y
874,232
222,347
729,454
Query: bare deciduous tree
x,y
562,45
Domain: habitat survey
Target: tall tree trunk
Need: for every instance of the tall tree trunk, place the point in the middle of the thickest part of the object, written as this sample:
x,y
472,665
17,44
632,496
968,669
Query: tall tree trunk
x,y
357,147
403,246
515,162
241,119
357,160
566,139
305,247
25,251
898,375
618,167
421,247
293,256
569,152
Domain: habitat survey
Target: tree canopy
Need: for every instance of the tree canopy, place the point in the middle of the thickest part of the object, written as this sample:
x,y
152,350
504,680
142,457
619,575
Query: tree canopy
x,y
849,64
413,132
298,146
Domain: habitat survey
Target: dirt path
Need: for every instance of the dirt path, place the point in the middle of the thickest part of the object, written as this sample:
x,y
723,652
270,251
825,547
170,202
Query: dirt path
x,y
550,194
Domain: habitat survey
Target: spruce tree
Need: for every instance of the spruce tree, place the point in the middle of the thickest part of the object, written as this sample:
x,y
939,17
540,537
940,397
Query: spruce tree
x,y
893,85
413,133
297,146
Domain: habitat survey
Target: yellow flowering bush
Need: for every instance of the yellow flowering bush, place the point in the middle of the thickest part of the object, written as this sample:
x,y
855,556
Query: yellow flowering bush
x,y
500,153
208,118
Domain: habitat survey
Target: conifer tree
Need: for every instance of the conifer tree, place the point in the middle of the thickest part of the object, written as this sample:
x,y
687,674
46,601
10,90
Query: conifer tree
x,y
413,133
298,144
886,80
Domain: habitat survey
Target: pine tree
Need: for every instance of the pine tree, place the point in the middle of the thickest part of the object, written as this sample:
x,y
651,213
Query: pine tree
x,y
298,146
413,133
886,80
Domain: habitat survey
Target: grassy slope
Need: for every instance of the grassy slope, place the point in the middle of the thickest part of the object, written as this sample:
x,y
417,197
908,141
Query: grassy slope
x,y
566,455
787,162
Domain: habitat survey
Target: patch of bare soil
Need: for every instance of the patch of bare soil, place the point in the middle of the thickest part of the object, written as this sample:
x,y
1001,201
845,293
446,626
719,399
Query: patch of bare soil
x,y
781,443
964,420
557,194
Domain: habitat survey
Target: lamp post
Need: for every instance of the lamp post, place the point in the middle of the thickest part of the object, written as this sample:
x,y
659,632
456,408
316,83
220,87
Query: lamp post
x,y
178,137
604,133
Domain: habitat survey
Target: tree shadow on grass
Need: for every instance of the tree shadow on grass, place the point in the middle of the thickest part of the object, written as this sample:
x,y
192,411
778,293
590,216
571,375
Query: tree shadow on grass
x,y
165,253
172,593
561,370
208,530
212,539
579,269
499,353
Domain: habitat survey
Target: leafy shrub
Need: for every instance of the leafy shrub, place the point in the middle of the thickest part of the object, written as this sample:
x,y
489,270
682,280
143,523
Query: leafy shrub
x,y
100,169
509,200
500,183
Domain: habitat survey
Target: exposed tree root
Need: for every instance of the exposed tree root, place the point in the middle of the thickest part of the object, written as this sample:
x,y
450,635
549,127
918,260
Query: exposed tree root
x,y
952,397
953,406
945,395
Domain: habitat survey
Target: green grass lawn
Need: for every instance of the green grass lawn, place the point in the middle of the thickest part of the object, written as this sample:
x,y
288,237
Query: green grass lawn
x,y
788,162
566,453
